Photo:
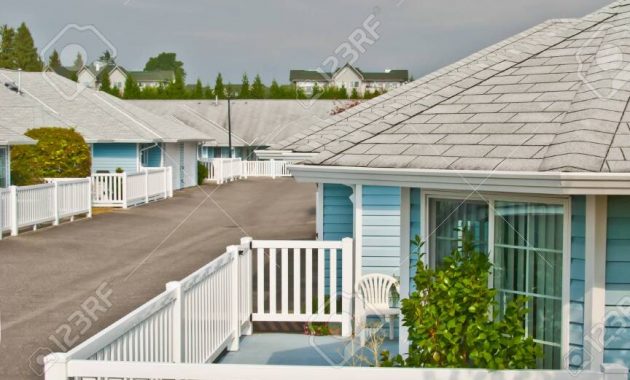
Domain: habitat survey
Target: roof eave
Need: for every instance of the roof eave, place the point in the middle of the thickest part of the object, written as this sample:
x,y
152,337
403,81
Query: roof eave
x,y
547,183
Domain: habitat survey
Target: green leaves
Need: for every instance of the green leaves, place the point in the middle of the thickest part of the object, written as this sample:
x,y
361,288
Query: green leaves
x,y
449,317
59,152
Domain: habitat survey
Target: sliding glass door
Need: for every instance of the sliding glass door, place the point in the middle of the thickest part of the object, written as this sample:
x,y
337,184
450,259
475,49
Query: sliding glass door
x,y
527,253
528,262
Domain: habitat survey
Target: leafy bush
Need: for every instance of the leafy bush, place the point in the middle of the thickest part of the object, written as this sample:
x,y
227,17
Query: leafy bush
x,y
202,173
449,319
59,152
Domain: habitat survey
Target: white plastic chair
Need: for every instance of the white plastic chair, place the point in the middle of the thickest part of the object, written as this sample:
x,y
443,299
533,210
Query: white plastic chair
x,y
374,293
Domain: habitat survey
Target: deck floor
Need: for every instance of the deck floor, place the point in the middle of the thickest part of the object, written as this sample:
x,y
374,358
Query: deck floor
x,y
299,349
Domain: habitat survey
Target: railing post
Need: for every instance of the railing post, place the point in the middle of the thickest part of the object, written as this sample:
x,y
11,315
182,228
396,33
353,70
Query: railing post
x,y
273,169
123,178
14,210
178,321
613,371
89,196
165,177
55,366
146,185
347,287
246,246
235,318
56,203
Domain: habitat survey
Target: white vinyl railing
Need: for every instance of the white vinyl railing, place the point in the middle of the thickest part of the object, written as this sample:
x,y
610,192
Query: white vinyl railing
x,y
325,266
224,170
30,206
125,190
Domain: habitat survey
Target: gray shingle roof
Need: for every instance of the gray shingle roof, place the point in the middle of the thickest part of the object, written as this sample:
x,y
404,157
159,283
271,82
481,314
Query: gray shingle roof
x,y
10,137
254,122
99,117
553,98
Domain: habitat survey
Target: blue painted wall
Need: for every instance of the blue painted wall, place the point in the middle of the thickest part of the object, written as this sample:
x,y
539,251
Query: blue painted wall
x,y
381,230
338,212
114,155
576,318
617,336
414,229
152,157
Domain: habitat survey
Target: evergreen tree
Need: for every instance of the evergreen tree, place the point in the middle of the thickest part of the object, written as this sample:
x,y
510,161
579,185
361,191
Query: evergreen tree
x,y
355,94
176,89
53,61
107,57
106,85
26,56
78,62
258,90
275,92
245,93
132,90
342,93
208,93
198,91
219,88
7,35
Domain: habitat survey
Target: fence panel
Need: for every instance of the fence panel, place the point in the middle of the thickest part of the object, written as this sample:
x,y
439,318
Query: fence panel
x,y
136,186
35,204
6,209
108,189
73,197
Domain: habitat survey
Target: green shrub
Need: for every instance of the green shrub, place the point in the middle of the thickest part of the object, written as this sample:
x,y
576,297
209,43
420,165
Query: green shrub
x,y
59,153
454,321
202,173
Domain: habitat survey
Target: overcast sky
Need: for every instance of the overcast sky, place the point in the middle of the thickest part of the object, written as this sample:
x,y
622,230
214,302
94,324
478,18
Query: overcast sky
x,y
271,37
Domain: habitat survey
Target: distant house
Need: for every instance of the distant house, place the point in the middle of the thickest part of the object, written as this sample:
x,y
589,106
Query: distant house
x,y
68,72
351,78
256,124
9,138
121,135
90,76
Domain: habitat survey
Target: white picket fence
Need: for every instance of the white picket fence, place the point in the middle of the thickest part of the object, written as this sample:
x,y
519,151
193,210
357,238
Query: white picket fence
x,y
224,170
30,206
125,190
178,334
194,320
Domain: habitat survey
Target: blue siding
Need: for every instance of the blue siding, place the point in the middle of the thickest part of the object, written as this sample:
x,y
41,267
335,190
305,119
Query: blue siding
x,y
381,230
338,212
414,229
152,157
576,318
617,335
114,155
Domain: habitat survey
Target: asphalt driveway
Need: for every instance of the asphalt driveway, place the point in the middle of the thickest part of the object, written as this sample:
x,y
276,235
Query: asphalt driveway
x,y
61,285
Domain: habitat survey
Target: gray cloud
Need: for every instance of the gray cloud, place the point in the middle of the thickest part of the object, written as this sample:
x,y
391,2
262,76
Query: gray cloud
x,y
272,36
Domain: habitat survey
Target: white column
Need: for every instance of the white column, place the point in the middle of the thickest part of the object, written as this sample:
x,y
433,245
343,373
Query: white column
x,y
89,196
232,250
319,211
56,203
595,280
358,231
14,210
347,288
405,224
124,189
178,321
146,185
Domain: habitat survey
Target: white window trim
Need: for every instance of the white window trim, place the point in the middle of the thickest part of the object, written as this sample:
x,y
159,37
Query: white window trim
x,y
491,198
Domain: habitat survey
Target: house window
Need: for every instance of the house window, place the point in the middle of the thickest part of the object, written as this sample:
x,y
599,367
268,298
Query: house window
x,y
527,255
448,217
528,262
4,166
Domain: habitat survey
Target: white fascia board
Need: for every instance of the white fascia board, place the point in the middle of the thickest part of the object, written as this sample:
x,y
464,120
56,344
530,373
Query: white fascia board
x,y
553,183
266,154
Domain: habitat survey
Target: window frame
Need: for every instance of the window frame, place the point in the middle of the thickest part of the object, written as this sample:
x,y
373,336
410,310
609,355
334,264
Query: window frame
x,y
491,199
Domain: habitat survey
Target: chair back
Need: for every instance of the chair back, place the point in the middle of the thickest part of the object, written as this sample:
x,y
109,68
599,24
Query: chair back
x,y
375,289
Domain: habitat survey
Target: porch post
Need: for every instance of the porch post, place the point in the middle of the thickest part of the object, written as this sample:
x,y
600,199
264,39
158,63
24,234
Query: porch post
x,y
178,321
56,203
124,189
405,223
319,211
358,231
347,287
14,210
595,280
232,250
248,302
89,196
